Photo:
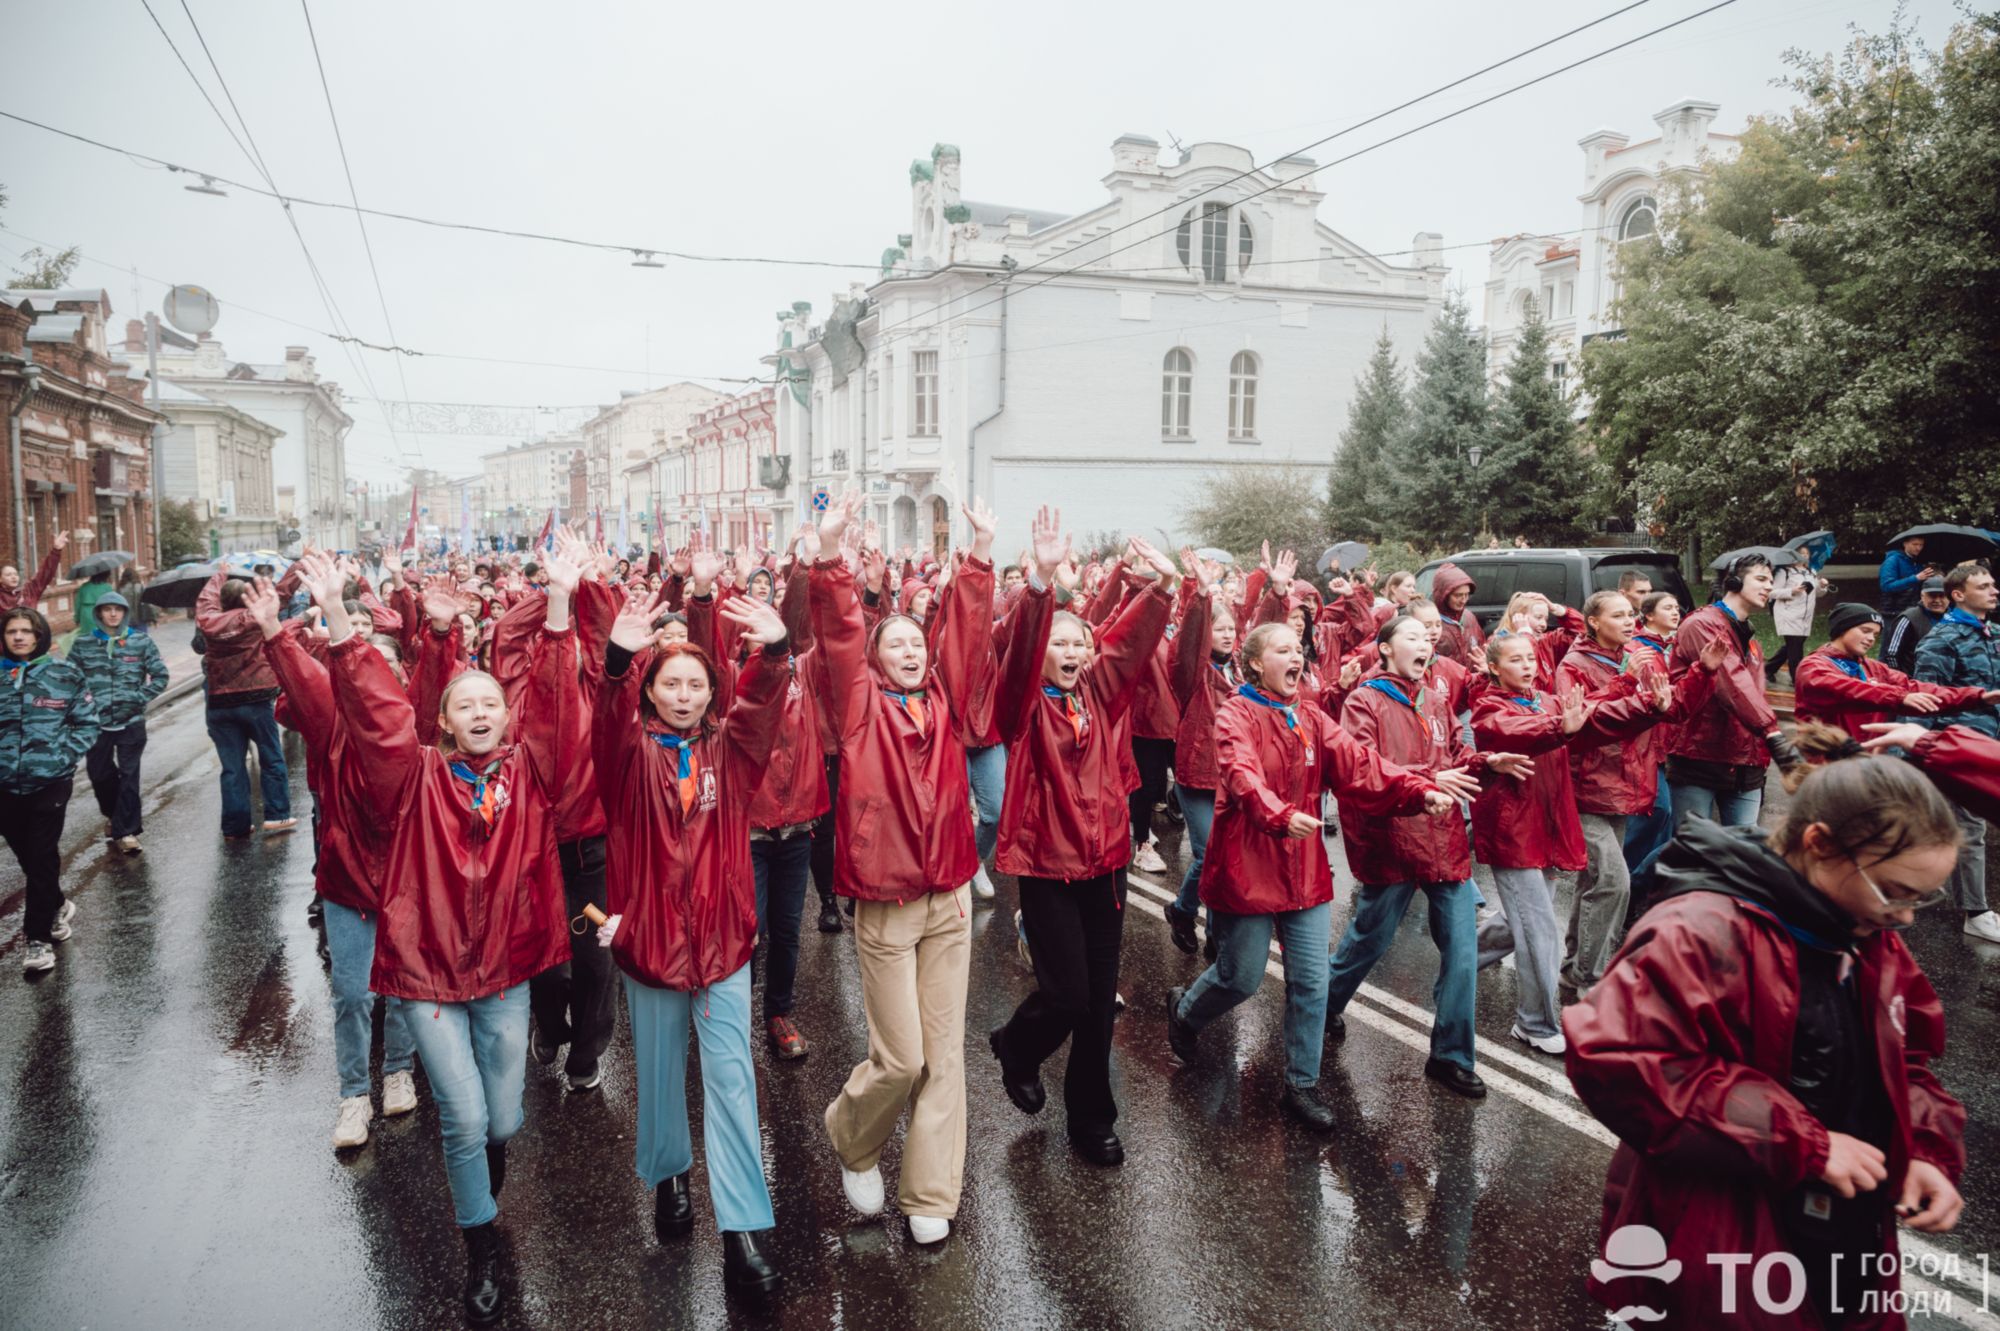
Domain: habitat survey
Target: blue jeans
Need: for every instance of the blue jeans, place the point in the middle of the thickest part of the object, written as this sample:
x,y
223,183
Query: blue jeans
x,y
986,769
350,946
1454,929
780,869
233,730
720,1015
1198,811
1242,946
476,1059
1646,833
1731,810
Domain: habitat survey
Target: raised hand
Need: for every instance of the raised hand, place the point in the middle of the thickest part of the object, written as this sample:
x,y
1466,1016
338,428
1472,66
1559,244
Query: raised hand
x,y
565,565
1351,672
807,543
1573,709
1047,541
704,566
1068,575
263,603
1152,558
1283,569
323,580
1921,703
1197,570
441,603
984,524
746,564
1517,765
62,540
1264,558
680,562
839,513
874,568
761,624
1713,653
632,627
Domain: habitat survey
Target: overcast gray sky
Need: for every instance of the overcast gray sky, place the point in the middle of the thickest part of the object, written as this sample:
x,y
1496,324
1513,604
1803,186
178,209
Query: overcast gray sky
x,y
777,130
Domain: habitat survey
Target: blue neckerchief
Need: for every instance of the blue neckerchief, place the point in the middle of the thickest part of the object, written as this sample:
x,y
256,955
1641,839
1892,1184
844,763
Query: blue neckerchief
x,y
1800,934
1657,644
666,739
1394,690
1847,665
477,780
1958,614
1529,703
1226,668
18,670
1723,606
1594,654
1251,692
904,698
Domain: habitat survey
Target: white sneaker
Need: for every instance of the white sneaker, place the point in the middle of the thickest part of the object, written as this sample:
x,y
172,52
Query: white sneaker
x,y
1542,1044
1021,941
351,1128
929,1228
1147,860
1985,926
38,957
864,1190
130,845
60,929
399,1094
982,886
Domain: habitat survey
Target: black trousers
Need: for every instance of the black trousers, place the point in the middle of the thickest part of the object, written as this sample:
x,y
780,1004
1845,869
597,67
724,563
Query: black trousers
x,y
822,834
33,824
1154,757
577,1001
1075,931
1789,655
113,766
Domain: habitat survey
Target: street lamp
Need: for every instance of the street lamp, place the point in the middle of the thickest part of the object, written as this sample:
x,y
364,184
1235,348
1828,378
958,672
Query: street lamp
x,y
207,186
1474,453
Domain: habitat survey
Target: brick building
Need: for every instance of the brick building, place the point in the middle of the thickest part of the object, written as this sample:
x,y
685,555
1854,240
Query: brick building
x,y
724,489
85,439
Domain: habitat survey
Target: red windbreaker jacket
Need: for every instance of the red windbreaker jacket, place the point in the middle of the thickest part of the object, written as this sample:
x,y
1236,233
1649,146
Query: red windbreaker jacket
x,y
1619,775
1272,766
1826,692
1731,726
234,661
1064,815
1422,735
579,811
467,910
1201,684
682,879
903,823
352,851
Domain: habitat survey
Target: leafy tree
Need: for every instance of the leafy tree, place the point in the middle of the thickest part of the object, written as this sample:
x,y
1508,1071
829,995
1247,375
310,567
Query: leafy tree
x,y
1535,481
1240,508
1810,341
1433,497
181,533
42,270
1358,484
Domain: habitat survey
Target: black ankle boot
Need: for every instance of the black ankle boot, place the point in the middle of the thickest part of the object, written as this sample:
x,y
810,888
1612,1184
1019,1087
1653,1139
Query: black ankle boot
x,y
496,1166
745,1268
673,1209
482,1274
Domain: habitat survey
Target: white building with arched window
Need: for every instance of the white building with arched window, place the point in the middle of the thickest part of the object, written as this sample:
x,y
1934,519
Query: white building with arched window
x,y
1109,361
1572,277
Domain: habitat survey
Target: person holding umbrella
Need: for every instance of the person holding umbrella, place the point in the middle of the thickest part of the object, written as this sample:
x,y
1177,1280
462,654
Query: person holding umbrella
x,y
125,672
14,592
241,691
1903,572
1795,592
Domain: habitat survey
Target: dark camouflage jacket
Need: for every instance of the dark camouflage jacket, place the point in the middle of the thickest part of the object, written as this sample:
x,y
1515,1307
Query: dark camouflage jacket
x,y
124,673
47,721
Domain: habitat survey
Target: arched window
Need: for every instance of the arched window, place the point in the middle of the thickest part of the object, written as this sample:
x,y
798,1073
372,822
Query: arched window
x,y
1243,396
1177,394
1246,243
1640,218
1202,239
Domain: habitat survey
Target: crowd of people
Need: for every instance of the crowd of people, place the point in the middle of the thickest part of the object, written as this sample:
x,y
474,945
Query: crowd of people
x,y
543,779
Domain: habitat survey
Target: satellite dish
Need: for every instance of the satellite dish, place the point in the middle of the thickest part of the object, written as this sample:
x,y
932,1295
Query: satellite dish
x,y
193,310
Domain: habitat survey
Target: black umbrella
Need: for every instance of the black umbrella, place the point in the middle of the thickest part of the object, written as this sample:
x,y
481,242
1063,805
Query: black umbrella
x,y
1778,556
104,561
178,588
1947,544
1350,555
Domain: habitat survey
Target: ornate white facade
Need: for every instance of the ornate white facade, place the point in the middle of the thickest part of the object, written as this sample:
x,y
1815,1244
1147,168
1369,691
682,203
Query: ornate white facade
x,y
633,430
1573,279
1201,317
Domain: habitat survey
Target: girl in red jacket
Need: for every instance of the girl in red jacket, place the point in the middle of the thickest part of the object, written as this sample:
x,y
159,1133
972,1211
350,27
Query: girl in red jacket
x,y
1524,829
679,786
1395,716
1204,675
1064,833
1615,780
904,850
1762,1046
1266,871
472,900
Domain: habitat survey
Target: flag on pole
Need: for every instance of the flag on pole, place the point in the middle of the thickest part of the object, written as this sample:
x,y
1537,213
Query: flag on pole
x,y
545,538
410,532
624,523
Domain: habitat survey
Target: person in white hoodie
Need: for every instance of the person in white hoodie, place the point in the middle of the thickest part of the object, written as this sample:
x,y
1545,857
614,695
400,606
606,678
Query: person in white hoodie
x,y
1794,593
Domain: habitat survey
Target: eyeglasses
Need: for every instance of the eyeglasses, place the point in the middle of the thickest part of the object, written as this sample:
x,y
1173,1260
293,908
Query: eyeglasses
x,y
1918,902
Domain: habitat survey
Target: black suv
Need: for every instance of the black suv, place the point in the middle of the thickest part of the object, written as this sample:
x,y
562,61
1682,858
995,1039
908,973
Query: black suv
x,y
1564,576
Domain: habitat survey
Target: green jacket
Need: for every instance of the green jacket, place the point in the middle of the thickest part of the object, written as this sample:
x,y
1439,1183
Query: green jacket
x,y
47,721
124,673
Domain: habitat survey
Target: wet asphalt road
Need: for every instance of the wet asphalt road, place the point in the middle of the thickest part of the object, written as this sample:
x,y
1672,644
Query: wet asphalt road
x,y
166,1098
